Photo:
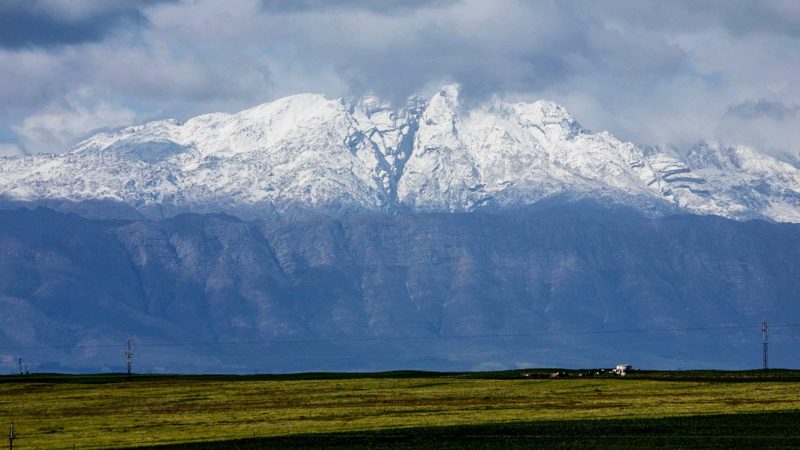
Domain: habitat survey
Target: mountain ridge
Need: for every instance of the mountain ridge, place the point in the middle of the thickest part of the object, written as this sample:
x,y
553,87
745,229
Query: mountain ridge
x,y
309,152
554,282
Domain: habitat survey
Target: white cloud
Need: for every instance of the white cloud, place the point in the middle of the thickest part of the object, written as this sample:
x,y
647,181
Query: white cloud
x,y
60,125
9,149
649,71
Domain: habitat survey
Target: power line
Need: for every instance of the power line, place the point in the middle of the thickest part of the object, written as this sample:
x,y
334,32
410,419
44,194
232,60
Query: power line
x,y
410,338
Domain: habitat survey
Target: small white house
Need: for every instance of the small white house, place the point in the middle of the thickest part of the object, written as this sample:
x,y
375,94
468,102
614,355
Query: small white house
x,y
622,369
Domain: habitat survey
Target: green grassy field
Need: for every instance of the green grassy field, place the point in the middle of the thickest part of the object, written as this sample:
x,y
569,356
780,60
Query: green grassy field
x,y
741,431
403,410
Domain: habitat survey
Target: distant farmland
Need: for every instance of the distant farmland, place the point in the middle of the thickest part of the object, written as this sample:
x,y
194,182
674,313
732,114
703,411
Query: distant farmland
x,y
404,410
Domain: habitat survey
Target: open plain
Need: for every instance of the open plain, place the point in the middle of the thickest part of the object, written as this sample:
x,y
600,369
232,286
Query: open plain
x,y
404,410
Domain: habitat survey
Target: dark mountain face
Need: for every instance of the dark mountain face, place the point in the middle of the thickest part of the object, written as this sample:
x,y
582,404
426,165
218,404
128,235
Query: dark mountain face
x,y
554,285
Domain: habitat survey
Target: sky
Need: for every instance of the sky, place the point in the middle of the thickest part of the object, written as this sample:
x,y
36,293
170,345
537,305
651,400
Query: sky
x,y
668,73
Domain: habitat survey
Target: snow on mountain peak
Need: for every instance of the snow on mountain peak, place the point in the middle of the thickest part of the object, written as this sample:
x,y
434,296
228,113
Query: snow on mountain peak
x,y
309,151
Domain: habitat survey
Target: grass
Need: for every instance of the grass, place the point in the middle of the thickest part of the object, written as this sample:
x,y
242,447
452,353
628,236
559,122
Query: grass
x,y
741,431
51,411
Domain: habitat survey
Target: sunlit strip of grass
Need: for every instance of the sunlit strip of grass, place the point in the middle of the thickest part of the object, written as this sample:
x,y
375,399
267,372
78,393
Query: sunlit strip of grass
x,y
53,415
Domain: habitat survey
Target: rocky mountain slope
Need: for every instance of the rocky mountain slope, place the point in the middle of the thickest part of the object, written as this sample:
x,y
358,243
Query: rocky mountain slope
x,y
553,285
307,152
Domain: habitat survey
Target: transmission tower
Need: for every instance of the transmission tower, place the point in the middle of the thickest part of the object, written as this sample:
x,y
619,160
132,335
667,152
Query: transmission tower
x,y
129,356
764,329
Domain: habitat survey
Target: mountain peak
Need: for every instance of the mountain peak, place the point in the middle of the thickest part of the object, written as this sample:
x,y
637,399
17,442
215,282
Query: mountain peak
x,y
293,103
444,104
449,91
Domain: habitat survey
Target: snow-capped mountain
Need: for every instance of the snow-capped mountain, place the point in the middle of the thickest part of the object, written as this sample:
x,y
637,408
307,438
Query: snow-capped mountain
x,y
576,270
308,151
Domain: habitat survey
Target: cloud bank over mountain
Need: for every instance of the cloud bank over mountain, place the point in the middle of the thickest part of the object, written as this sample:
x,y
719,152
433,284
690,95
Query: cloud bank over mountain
x,y
655,73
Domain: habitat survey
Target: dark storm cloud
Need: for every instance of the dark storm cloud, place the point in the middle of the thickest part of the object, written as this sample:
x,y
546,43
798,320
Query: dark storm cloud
x,y
763,108
22,27
31,23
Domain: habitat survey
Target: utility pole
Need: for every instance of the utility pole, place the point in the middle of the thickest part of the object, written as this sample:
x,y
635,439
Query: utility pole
x,y
11,437
764,329
129,356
